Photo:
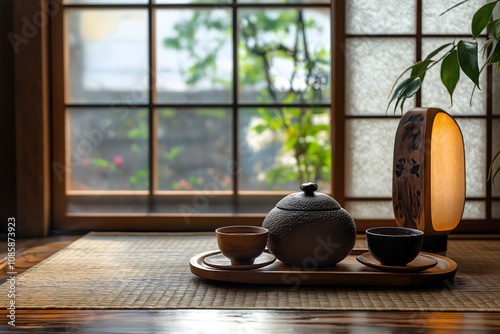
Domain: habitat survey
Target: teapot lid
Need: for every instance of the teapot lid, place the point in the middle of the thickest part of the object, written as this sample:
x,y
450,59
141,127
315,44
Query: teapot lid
x,y
308,200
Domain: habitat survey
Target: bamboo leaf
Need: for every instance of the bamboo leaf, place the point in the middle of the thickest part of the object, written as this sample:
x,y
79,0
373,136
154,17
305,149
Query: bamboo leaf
x,y
491,168
419,66
455,6
495,175
435,52
406,89
399,89
450,72
397,80
495,55
419,69
494,29
402,105
467,57
481,18
412,87
486,45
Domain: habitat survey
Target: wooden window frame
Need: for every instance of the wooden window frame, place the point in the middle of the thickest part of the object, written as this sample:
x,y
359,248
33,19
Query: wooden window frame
x,y
41,196
155,221
32,112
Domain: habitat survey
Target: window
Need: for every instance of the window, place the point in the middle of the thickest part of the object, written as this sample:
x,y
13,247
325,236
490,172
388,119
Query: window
x,y
188,114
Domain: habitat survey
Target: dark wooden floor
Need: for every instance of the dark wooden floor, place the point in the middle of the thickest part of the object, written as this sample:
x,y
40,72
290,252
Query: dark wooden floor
x,y
30,252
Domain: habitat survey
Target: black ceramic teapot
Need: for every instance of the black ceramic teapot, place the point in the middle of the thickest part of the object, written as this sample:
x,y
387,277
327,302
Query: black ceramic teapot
x,y
310,229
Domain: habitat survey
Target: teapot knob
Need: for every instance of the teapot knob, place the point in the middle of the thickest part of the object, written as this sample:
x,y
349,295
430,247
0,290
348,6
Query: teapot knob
x,y
309,187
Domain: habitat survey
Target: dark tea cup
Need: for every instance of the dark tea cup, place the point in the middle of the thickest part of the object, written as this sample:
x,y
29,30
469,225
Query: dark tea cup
x,y
394,246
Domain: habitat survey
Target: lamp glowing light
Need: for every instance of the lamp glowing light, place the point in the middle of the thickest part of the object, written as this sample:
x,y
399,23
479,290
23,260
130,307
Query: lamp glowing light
x,y
428,185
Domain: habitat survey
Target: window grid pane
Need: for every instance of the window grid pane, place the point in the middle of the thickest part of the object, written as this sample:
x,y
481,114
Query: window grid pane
x,y
286,60
184,75
370,72
137,94
273,155
108,150
108,56
193,67
194,149
373,17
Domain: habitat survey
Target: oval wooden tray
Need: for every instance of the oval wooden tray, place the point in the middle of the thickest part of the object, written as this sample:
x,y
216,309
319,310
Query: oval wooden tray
x,y
348,272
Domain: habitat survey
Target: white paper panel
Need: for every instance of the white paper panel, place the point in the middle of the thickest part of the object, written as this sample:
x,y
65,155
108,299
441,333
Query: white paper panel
x,y
434,94
370,210
474,210
369,155
372,66
474,132
380,17
456,21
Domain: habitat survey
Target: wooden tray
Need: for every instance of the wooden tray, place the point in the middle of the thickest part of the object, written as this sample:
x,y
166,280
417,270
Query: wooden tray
x,y
348,272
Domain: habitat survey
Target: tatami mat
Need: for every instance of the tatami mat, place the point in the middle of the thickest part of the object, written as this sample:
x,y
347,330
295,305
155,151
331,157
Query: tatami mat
x,y
151,271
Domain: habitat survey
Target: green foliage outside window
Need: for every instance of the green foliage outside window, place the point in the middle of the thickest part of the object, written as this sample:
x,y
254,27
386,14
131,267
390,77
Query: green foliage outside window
x,y
268,42
262,46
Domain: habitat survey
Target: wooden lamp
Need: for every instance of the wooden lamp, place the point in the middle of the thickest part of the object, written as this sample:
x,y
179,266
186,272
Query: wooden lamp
x,y
428,185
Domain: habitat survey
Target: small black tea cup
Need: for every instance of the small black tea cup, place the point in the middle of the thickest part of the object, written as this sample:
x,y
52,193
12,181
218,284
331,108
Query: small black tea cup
x,y
394,246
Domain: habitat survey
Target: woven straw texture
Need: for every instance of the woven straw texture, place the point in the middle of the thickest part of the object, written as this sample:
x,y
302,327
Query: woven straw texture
x,y
151,271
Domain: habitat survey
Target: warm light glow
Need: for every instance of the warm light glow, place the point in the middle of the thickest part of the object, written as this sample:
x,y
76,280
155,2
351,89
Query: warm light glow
x,y
447,164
